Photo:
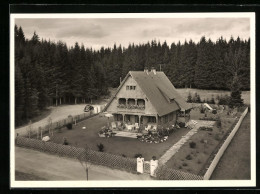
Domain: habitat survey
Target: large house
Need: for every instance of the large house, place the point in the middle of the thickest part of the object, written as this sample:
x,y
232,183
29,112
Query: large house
x,y
146,97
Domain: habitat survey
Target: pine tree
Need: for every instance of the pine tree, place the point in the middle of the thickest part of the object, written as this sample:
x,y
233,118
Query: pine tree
x,y
235,98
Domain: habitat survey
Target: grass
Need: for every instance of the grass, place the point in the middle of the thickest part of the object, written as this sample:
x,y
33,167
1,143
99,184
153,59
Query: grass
x,y
21,176
204,94
115,145
236,155
192,160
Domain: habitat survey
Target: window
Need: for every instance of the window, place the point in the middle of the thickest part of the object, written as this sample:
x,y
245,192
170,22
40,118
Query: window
x,y
130,87
151,120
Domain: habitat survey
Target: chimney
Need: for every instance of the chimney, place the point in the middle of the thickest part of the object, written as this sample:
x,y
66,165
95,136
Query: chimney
x,y
153,70
146,70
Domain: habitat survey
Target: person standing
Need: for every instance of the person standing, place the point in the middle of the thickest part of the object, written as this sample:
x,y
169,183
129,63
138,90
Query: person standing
x,y
140,164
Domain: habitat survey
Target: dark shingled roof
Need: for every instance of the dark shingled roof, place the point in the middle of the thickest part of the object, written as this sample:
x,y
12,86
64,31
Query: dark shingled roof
x,y
159,90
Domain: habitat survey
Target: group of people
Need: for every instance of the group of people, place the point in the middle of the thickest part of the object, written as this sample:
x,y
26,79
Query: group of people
x,y
141,163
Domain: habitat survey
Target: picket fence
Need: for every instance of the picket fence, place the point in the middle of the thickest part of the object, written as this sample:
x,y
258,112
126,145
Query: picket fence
x,y
85,155
49,127
224,146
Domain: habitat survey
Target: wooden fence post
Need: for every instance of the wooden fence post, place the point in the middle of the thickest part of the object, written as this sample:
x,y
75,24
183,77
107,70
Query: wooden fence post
x,y
41,132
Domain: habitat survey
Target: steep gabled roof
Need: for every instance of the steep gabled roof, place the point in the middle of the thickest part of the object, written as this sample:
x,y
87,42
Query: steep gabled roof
x,y
159,90
167,87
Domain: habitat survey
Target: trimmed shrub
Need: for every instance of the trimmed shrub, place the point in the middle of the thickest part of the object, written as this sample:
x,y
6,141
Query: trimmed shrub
x,y
69,125
65,141
192,144
100,147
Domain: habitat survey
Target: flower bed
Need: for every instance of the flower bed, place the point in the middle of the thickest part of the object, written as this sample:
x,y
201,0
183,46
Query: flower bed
x,y
194,154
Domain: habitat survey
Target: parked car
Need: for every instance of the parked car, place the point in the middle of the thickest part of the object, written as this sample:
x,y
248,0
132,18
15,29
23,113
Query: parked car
x,y
88,108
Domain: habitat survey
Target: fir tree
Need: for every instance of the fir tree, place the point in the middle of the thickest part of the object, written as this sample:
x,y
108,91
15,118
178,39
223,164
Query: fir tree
x,y
235,98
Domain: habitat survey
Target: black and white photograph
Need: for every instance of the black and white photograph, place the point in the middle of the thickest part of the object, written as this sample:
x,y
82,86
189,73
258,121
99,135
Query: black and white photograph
x,y
132,100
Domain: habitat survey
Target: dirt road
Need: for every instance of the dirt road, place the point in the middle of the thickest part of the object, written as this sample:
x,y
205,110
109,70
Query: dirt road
x,y
51,167
235,163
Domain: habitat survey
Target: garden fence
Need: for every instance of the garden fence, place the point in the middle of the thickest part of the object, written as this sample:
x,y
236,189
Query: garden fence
x,y
87,155
164,173
49,127
216,159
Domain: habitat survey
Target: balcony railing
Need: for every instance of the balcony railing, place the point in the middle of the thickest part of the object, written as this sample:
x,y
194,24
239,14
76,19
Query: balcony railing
x,y
123,106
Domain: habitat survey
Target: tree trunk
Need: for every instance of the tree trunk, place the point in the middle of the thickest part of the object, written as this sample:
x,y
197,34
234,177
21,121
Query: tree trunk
x,y
75,100
56,101
60,100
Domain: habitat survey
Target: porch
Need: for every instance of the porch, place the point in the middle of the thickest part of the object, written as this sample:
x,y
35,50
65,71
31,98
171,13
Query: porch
x,y
134,123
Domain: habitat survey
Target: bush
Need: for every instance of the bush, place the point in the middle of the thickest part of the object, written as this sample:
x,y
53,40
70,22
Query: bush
x,y
69,125
212,101
181,124
184,164
224,100
192,144
123,155
65,141
100,147
205,128
138,155
214,111
188,157
218,123
217,137
189,98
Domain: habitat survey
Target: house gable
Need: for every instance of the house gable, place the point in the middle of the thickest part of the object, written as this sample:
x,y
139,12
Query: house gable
x,y
124,91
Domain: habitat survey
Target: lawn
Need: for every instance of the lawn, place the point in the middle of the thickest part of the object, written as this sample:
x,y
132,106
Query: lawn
x,y
193,160
204,94
115,145
236,155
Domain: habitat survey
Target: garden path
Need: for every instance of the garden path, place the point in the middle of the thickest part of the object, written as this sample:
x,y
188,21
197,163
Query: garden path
x,y
175,148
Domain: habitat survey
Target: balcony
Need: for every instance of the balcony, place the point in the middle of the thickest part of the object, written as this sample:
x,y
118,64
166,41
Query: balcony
x,y
128,106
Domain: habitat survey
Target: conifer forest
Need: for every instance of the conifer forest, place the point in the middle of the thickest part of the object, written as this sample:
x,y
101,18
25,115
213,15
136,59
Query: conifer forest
x,y
51,73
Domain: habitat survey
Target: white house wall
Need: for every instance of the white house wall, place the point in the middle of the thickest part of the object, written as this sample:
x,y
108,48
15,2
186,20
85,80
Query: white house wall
x,y
135,94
